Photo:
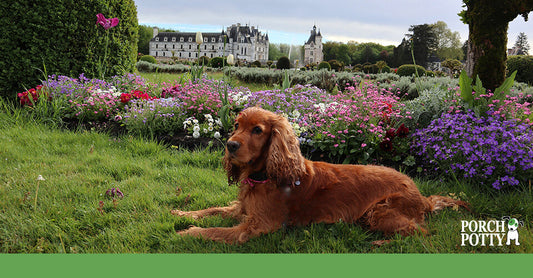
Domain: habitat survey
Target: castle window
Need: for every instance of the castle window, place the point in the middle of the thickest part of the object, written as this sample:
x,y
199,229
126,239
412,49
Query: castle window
x,y
157,39
206,39
165,39
190,39
173,39
181,39
213,40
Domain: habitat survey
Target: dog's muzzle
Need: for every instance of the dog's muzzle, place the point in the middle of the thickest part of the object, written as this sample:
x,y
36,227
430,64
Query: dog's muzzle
x,y
232,146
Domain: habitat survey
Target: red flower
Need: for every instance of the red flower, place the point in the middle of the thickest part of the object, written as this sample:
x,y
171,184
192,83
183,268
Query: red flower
x,y
386,145
402,131
391,133
125,97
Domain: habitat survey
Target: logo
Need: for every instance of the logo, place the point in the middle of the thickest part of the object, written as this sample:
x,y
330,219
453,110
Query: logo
x,y
490,232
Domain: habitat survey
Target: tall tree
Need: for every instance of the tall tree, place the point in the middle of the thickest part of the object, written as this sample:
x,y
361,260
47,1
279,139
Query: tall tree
x,y
424,42
145,35
448,42
521,42
488,22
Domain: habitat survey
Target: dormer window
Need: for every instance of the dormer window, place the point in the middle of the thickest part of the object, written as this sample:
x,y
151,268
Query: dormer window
x,y
190,39
181,39
173,39
206,39
157,39
213,40
165,39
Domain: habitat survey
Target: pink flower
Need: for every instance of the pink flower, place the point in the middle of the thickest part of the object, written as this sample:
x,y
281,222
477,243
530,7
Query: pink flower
x,y
106,22
363,145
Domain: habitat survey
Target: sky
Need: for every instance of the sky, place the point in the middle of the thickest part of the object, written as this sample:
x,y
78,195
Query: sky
x,y
290,21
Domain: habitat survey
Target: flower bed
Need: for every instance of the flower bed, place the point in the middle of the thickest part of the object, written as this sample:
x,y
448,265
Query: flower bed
x,y
486,150
364,123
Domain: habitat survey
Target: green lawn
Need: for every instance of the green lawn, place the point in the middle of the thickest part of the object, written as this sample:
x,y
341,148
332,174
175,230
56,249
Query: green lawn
x,y
70,212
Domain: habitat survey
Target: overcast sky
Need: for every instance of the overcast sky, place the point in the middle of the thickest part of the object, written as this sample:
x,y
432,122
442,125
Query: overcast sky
x,y
290,21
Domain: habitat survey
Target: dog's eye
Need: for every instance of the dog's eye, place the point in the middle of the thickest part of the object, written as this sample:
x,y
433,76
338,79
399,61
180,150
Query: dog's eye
x,y
257,130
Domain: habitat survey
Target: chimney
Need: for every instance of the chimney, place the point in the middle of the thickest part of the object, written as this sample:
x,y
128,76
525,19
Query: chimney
x,y
156,31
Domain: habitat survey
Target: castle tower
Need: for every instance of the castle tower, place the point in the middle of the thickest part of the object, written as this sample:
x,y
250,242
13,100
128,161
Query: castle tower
x,y
313,48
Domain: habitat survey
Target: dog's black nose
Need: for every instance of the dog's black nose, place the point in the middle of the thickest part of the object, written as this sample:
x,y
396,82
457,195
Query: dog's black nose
x,y
233,146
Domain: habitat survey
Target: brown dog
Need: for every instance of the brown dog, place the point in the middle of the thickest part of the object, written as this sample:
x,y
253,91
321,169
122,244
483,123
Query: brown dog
x,y
278,186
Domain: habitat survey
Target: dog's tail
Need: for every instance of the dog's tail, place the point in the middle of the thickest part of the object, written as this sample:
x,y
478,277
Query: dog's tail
x,y
439,202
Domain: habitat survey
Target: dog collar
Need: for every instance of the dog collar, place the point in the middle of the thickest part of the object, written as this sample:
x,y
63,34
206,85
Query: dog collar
x,y
256,178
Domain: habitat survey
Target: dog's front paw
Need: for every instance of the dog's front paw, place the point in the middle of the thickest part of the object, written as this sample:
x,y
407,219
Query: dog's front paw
x,y
180,213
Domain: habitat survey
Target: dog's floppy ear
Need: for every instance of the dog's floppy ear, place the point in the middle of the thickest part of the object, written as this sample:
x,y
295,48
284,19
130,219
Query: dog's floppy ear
x,y
284,163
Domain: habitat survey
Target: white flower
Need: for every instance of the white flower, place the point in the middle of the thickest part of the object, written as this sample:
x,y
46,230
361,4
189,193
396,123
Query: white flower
x,y
196,134
296,114
218,122
40,178
205,130
90,99
231,60
195,121
210,128
199,38
217,134
196,128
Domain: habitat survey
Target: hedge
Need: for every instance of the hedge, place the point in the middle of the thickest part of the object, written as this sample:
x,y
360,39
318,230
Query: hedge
x,y
62,37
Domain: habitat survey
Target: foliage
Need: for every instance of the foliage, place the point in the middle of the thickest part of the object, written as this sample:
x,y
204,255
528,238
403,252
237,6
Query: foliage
x,y
522,43
145,35
487,149
63,37
410,70
423,42
335,65
148,58
479,99
523,65
283,63
448,44
144,66
324,65
217,62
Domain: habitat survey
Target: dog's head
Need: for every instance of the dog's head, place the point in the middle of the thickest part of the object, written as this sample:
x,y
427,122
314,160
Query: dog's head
x,y
263,141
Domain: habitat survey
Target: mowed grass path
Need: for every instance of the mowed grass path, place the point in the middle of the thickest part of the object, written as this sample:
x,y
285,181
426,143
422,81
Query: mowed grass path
x,y
69,211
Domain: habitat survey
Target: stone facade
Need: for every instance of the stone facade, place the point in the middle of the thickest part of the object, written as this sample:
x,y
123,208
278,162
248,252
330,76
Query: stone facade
x,y
313,48
246,43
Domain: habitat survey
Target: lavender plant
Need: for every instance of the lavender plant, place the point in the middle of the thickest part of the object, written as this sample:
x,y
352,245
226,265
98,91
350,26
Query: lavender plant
x,y
486,150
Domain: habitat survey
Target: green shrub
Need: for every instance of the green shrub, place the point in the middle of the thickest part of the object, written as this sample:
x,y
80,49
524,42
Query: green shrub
x,y
283,63
524,67
324,65
204,60
256,64
335,65
386,69
409,70
62,36
148,58
216,62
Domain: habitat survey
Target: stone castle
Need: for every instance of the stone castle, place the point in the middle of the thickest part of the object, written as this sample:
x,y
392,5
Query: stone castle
x,y
247,44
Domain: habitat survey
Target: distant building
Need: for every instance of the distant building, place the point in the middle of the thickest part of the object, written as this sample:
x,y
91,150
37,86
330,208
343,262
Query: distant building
x,y
515,51
246,43
313,48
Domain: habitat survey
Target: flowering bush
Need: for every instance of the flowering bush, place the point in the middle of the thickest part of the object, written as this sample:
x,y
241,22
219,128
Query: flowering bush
x,y
198,97
31,96
351,124
152,117
487,149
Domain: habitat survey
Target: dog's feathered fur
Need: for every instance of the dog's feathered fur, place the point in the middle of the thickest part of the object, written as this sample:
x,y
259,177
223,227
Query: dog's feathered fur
x,y
298,191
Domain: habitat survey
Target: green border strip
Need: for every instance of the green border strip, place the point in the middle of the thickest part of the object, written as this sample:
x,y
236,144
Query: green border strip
x,y
262,265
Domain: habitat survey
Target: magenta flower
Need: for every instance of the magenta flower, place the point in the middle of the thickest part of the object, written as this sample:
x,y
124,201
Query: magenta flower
x,y
106,22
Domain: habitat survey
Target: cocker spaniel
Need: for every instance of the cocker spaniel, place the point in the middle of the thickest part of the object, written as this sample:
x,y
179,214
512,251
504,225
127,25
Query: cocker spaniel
x,y
278,187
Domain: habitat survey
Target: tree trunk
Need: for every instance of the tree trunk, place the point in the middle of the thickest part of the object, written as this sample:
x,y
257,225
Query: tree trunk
x,y
488,22
487,52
